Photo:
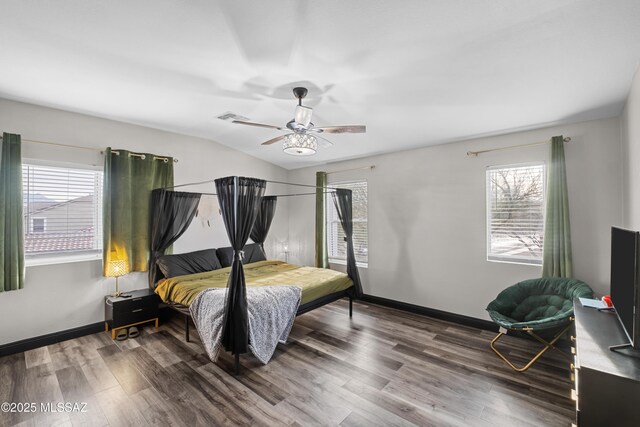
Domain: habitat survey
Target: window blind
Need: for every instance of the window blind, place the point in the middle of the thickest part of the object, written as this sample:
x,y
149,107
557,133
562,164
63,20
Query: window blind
x,y
515,213
337,247
62,209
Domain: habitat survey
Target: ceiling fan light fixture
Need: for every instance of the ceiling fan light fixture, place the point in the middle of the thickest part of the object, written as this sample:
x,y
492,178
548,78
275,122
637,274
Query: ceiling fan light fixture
x,y
300,144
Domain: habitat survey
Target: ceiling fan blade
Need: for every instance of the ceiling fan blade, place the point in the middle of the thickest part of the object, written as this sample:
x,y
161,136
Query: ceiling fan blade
x,y
260,125
324,142
340,129
274,140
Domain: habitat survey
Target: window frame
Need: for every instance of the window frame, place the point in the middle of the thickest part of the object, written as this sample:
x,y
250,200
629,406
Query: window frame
x,y
64,257
329,204
510,259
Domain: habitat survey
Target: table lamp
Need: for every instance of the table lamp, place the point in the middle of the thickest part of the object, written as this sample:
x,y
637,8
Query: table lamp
x,y
117,268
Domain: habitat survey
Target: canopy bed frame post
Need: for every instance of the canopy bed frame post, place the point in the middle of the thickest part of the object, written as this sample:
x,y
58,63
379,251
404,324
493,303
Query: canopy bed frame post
x,y
186,327
239,208
236,353
350,307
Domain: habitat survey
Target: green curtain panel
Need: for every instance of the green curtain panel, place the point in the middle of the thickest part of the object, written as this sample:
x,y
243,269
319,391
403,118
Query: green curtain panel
x,y
128,182
556,253
11,234
322,255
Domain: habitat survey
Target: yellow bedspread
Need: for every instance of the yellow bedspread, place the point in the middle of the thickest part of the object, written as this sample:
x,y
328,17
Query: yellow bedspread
x,y
315,282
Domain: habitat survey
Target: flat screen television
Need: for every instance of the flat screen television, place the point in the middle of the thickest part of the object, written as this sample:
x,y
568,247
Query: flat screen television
x,y
625,290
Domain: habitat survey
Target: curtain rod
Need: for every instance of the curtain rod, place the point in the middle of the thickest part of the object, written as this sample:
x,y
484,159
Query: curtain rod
x,y
475,153
351,170
33,141
142,156
58,144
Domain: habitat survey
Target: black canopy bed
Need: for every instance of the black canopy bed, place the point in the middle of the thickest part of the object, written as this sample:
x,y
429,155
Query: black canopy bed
x,y
182,280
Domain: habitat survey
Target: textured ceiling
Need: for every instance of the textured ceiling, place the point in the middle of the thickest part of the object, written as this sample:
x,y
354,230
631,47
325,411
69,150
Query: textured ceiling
x,y
416,73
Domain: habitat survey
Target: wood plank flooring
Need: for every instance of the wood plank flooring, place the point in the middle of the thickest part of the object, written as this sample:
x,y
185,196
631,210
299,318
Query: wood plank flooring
x,y
382,368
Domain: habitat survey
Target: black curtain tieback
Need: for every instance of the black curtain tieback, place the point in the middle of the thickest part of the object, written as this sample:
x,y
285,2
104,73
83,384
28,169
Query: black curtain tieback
x,y
238,255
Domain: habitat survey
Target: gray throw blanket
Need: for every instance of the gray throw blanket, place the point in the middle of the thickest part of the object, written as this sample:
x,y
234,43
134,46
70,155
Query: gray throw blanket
x,y
271,310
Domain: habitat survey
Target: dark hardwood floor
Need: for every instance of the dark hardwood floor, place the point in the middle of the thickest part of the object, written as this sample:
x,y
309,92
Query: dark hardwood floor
x,y
382,368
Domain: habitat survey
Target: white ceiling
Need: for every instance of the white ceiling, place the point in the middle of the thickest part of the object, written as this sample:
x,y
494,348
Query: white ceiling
x,y
415,72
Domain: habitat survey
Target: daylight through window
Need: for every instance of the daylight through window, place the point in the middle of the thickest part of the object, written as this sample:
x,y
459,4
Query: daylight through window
x,y
62,210
335,235
515,213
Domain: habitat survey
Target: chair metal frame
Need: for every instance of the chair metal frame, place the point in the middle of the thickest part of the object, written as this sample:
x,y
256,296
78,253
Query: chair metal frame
x,y
530,331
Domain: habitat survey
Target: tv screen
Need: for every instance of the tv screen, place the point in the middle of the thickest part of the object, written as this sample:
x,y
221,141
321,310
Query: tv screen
x,y
624,279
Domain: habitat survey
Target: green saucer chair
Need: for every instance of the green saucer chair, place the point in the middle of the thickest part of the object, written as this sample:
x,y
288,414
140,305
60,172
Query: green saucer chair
x,y
535,307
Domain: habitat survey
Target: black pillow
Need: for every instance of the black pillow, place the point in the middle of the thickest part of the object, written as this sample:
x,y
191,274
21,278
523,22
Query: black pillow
x,y
252,253
189,263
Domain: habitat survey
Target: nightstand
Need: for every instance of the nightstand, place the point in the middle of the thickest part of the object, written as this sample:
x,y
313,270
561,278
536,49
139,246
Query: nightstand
x,y
140,307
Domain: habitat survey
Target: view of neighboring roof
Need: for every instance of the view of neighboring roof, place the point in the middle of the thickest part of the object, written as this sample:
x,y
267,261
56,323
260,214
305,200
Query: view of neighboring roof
x,y
59,238
60,242
39,203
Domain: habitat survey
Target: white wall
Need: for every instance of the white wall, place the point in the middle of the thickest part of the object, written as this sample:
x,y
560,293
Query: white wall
x,y
64,296
426,212
631,155
427,220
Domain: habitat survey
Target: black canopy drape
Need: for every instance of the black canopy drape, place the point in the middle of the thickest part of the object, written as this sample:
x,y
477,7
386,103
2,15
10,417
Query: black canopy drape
x,y
263,220
239,200
342,200
171,213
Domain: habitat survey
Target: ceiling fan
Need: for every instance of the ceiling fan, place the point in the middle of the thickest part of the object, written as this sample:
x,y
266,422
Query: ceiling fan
x,y
303,138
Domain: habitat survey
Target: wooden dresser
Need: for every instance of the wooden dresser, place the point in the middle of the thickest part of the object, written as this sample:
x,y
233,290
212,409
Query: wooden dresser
x,y
607,383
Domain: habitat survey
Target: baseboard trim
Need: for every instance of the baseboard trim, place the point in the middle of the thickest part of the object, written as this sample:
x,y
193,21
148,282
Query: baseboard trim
x,y
48,339
432,312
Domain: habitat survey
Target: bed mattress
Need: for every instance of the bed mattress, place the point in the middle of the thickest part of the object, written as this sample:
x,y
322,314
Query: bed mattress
x,y
315,282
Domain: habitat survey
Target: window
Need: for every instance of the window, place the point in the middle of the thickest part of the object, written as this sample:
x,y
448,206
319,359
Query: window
x,y
38,225
62,211
337,247
515,213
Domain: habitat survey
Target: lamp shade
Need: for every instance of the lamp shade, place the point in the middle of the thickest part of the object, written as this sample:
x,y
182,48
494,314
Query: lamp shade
x,y
303,115
299,144
117,268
